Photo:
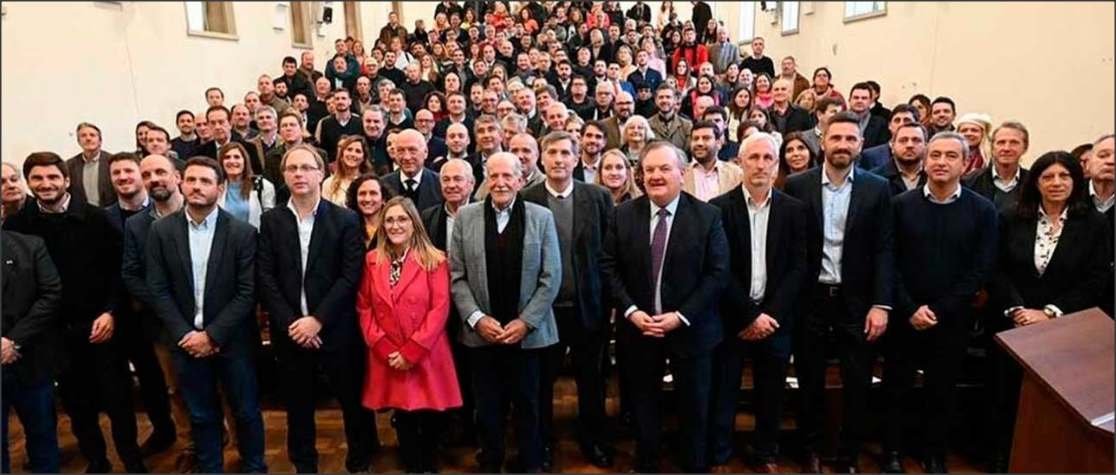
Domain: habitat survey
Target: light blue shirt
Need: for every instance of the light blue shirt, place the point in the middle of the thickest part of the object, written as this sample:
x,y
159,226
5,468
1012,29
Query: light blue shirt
x,y
235,204
201,241
835,211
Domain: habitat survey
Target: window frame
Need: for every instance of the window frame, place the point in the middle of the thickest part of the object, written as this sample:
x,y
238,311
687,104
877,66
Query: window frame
x,y
230,19
307,9
741,40
863,16
783,31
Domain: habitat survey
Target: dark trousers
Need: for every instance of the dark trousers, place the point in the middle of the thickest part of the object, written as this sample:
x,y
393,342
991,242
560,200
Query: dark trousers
x,y
97,379
502,375
344,372
139,349
829,316
34,404
418,433
464,417
236,373
939,352
586,350
769,367
693,377
1006,377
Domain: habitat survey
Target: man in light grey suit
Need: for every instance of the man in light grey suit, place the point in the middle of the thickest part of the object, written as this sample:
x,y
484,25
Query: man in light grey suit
x,y
506,271
723,52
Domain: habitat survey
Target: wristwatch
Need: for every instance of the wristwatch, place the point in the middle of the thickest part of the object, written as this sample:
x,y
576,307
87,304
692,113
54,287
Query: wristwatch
x,y
1052,311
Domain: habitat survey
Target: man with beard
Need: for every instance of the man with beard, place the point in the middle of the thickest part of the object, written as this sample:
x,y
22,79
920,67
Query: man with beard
x,y
942,113
623,108
332,128
86,249
592,144
205,299
880,155
848,293
708,177
372,125
457,113
89,169
908,149
667,123
187,141
296,83
757,62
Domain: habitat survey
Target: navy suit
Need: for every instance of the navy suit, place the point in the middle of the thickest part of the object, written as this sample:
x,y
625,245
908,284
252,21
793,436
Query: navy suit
x,y
696,258
652,78
429,191
874,157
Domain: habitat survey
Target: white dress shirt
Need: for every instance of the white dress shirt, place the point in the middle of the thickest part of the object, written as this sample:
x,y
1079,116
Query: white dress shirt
x,y
1102,205
835,210
1003,184
201,241
949,199
758,214
672,209
305,231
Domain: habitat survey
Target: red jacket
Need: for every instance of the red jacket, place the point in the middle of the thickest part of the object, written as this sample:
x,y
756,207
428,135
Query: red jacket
x,y
694,56
411,319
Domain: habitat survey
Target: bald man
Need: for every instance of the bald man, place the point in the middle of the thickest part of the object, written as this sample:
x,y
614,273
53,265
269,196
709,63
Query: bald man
x,y
411,178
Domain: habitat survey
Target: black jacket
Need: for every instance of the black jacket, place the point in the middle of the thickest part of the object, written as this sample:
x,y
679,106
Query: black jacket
x,y
230,282
981,182
32,300
797,119
785,258
876,132
1076,273
133,270
591,208
333,272
867,253
429,190
104,179
695,267
890,172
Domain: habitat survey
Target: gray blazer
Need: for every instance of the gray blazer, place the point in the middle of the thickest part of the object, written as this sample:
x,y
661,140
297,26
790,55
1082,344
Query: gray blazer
x,y
540,278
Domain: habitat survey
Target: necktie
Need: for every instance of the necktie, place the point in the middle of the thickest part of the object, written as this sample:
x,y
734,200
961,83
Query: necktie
x,y
658,247
411,187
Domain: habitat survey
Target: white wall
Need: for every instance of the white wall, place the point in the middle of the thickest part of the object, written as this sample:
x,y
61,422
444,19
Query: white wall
x,y
117,64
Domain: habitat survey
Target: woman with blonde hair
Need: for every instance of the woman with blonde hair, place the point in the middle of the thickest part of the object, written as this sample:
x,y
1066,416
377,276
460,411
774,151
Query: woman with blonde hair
x,y
352,162
807,99
618,177
975,127
402,306
635,135
247,195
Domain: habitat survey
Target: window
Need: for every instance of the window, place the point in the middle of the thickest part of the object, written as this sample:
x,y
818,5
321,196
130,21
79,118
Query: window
x,y
213,19
747,28
352,20
301,24
861,10
789,18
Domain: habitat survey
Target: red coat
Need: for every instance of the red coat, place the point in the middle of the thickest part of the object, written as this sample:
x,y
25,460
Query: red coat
x,y
411,319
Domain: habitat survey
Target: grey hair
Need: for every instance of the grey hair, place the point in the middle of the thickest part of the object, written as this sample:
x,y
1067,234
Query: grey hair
x,y
759,137
517,166
465,166
1103,138
649,136
949,135
679,155
265,108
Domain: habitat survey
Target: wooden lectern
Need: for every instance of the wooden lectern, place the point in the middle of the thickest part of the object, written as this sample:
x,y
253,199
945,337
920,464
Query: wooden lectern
x,y
1066,402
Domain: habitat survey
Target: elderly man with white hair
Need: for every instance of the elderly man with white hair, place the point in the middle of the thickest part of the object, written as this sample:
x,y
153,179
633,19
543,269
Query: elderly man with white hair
x,y
411,178
506,270
766,231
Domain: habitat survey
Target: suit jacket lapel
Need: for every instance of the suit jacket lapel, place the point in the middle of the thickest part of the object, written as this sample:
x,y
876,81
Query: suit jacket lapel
x,y
321,220
742,224
816,197
774,226
678,226
407,277
855,201
182,245
380,280
643,236
582,207
217,251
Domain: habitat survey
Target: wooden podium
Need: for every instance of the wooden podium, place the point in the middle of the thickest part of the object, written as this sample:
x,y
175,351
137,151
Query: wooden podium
x,y
1065,419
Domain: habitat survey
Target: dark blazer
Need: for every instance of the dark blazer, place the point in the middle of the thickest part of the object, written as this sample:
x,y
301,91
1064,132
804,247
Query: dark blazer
x,y
980,181
873,158
104,179
333,272
797,120
785,258
32,300
116,215
592,205
435,147
429,190
876,132
890,172
434,220
696,260
867,254
133,270
1076,273
651,78
230,281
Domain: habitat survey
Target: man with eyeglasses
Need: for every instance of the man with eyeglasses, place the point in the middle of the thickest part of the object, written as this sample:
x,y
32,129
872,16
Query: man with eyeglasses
x,y
424,123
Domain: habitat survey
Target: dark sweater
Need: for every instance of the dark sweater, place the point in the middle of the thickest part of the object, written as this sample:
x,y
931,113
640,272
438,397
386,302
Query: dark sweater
x,y
332,132
981,182
944,253
762,65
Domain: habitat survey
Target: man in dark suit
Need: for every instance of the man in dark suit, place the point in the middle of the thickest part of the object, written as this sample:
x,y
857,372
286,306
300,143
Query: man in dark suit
x,y
640,12
86,250
939,270
785,116
221,128
581,215
134,341
903,171
766,231
200,270
673,317
875,157
32,298
412,179
1102,190
89,170
1002,181
310,262
873,128
848,289
643,74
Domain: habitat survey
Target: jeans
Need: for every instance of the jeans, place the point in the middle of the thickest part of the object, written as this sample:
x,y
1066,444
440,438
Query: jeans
x,y
34,404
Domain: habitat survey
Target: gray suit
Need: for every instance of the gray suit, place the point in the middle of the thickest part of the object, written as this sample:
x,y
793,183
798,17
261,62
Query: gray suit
x,y
540,279
721,55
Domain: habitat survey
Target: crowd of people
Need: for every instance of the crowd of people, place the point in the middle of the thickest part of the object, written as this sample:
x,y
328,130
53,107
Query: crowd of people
x,y
435,224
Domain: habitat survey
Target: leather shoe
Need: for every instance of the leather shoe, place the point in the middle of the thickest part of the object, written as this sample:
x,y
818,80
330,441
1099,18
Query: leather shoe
x,y
811,463
156,443
598,455
765,467
547,458
892,462
935,464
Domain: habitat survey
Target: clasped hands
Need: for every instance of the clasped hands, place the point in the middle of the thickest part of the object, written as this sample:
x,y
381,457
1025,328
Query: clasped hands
x,y
655,326
198,344
493,332
762,327
304,332
1027,316
8,352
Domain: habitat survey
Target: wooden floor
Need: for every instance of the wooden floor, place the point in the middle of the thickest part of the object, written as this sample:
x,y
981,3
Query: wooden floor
x,y
331,444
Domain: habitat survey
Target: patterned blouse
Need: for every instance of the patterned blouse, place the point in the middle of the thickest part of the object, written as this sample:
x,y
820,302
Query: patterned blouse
x,y
1046,239
397,269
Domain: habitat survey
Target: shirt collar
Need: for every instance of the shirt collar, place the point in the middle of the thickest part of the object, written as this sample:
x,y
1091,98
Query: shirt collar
x,y
996,176
207,223
417,178
670,207
505,210
291,206
561,194
849,178
63,205
952,196
698,167
752,203
96,157
1061,217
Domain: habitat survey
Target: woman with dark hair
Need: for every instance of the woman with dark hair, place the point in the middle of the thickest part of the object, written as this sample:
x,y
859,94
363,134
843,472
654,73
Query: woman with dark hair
x,y
141,137
921,103
366,196
352,162
761,91
823,85
705,86
794,156
246,195
435,102
1053,260
738,107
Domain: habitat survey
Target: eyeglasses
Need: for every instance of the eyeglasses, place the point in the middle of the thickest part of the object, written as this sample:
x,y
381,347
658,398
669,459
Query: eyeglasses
x,y
300,168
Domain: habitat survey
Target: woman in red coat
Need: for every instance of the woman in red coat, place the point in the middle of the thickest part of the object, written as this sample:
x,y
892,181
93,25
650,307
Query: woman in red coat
x,y
403,305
